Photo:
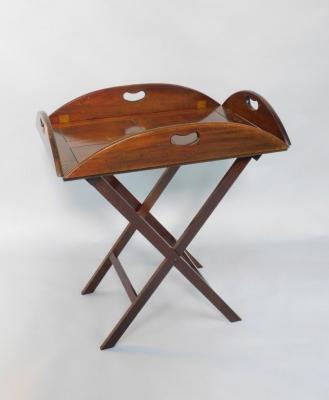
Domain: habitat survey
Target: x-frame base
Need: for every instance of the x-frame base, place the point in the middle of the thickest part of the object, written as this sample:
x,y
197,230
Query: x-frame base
x,y
129,231
173,250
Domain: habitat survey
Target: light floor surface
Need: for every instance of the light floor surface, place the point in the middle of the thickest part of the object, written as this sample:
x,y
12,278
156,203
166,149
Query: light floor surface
x,y
179,346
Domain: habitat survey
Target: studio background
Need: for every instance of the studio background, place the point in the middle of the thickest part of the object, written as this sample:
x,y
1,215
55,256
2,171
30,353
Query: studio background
x,y
265,249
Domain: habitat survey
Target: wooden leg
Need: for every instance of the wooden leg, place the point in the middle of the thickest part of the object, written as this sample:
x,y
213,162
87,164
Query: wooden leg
x,y
137,305
123,278
200,283
161,230
106,264
112,190
126,235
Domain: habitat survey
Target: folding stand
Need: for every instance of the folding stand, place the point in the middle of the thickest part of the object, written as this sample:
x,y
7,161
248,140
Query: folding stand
x,y
76,135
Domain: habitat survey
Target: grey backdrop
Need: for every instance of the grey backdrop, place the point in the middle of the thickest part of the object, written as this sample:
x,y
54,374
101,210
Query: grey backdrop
x,y
265,248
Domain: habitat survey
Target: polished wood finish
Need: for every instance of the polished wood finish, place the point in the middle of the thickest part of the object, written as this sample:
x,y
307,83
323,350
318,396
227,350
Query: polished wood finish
x,y
262,116
143,210
89,135
131,292
108,103
110,189
137,127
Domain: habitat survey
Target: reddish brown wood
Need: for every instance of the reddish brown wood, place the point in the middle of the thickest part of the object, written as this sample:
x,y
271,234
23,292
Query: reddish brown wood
x,y
111,190
126,235
47,135
89,135
64,159
124,238
107,132
161,230
123,277
110,102
153,148
261,114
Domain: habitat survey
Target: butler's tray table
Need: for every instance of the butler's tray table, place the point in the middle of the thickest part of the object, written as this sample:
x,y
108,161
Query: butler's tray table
x,y
138,127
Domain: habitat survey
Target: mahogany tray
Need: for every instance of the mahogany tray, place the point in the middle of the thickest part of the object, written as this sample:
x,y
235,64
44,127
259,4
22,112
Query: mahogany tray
x,y
136,127
143,126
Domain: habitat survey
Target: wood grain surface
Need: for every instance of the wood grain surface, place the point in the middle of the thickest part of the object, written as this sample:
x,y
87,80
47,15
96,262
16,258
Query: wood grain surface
x,y
103,133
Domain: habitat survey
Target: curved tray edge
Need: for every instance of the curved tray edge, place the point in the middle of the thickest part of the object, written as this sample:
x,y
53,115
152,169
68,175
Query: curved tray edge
x,y
154,148
255,109
110,102
47,135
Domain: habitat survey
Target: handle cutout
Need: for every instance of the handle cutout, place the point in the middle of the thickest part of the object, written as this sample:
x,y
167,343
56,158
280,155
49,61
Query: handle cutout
x,y
252,103
184,140
43,126
128,96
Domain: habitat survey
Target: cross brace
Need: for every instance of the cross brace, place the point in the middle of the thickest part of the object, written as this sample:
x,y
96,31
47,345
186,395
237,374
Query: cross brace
x,y
129,231
173,250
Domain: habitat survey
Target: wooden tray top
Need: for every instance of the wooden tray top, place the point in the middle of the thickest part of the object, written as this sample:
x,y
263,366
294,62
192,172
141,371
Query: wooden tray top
x,y
137,127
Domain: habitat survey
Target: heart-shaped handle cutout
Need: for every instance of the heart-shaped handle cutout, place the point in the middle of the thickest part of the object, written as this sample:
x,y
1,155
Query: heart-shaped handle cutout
x,y
253,104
